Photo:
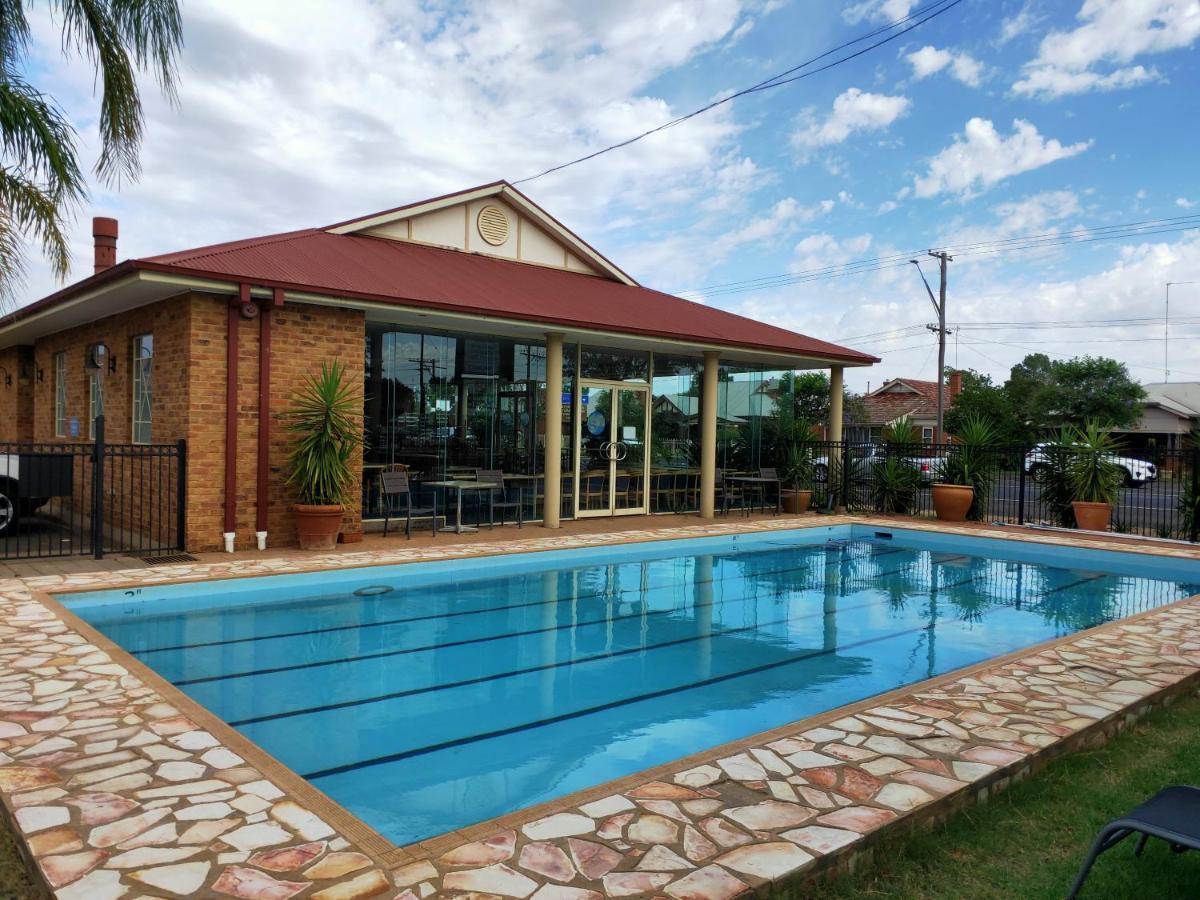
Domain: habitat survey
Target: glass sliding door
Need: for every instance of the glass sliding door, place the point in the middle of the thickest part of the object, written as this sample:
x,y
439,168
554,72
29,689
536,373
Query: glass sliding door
x,y
612,469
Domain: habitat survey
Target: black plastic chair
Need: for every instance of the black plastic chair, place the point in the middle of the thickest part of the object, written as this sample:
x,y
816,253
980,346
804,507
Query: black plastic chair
x,y
393,487
498,497
772,474
1173,815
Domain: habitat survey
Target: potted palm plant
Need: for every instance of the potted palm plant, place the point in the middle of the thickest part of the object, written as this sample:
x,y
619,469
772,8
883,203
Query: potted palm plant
x,y
895,480
1095,477
965,473
325,418
797,476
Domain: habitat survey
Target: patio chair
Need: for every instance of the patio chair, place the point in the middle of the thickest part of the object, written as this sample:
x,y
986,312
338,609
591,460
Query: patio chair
x,y
1173,814
660,491
773,474
727,491
394,487
498,497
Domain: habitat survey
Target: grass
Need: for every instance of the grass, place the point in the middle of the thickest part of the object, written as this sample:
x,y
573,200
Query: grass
x,y
1030,840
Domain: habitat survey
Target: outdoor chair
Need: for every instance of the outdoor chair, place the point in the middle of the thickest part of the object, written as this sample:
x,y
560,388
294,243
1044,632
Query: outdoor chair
x,y
498,498
772,474
660,491
728,491
394,487
1173,814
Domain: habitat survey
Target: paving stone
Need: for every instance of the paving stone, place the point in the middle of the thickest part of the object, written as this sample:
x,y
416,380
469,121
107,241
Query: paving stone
x,y
768,861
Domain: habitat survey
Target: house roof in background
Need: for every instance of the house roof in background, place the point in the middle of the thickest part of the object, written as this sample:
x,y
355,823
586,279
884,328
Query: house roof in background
x,y
900,397
1179,397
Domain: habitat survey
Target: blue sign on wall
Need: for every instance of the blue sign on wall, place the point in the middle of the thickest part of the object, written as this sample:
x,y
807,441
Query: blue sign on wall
x,y
73,426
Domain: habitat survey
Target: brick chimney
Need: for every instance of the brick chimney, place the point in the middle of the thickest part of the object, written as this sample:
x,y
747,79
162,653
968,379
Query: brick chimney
x,y
104,233
955,385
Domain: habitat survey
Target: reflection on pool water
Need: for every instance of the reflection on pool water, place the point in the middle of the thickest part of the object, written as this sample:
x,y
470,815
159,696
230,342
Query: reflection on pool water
x,y
426,697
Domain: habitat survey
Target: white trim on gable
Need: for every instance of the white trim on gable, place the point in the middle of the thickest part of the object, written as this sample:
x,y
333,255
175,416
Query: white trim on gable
x,y
578,256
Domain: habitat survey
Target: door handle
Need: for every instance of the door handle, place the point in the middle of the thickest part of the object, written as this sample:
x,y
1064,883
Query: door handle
x,y
622,450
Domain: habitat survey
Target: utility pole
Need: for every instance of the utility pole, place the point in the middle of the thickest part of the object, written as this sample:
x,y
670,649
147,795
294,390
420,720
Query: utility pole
x,y
1167,328
939,306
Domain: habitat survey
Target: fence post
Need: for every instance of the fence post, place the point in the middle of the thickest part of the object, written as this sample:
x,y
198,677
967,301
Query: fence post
x,y
1021,489
845,489
98,491
180,494
1194,537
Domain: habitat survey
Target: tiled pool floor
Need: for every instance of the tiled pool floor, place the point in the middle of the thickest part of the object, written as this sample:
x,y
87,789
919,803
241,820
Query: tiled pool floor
x,y
119,785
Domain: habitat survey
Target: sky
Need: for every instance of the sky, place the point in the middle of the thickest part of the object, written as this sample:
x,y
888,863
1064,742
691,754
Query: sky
x,y
997,119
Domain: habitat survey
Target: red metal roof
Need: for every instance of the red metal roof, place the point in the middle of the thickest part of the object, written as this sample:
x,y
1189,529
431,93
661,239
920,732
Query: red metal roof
x,y
884,405
417,275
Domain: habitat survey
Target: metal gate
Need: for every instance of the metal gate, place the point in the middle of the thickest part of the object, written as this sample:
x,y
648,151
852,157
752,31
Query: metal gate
x,y
59,499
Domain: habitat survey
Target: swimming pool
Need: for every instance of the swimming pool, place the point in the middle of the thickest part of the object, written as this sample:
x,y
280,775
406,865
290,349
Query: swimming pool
x,y
429,696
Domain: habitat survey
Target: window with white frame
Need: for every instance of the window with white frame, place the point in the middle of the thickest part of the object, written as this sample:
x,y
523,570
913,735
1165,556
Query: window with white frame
x,y
143,362
927,434
60,394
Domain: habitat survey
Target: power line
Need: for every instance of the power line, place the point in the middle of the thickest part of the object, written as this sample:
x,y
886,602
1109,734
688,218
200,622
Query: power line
x,y
1089,234
788,76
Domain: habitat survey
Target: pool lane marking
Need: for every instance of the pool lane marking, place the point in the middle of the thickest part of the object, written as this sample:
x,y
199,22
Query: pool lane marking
x,y
613,704
511,634
442,615
651,695
545,667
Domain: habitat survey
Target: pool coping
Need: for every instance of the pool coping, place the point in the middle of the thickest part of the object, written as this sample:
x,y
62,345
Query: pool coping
x,y
475,857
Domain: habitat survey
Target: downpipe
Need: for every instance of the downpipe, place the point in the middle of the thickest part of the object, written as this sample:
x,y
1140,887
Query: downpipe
x,y
262,539
229,536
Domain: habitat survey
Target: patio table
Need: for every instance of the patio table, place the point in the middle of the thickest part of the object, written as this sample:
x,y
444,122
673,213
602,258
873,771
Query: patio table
x,y
458,486
760,483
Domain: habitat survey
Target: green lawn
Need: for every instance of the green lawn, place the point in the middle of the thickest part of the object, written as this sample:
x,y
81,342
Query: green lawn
x,y
1029,841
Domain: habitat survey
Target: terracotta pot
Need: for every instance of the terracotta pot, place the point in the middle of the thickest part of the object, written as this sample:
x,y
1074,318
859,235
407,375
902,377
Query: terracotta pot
x,y
951,502
317,527
796,502
1092,516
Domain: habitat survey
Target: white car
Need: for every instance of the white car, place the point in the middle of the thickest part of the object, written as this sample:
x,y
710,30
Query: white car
x,y
1137,471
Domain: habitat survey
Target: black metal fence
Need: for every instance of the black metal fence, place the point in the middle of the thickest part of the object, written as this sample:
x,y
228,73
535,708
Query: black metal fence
x,y
91,498
1159,495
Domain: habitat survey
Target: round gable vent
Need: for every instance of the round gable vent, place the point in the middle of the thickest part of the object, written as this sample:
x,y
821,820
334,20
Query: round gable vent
x,y
493,225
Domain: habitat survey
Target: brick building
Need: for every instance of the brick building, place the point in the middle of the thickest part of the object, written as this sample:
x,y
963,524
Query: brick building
x,y
465,317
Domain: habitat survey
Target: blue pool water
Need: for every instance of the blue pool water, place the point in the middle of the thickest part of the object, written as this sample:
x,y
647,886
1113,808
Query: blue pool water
x,y
430,696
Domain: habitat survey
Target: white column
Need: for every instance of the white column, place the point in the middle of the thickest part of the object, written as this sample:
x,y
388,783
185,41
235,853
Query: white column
x,y
835,423
552,464
708,436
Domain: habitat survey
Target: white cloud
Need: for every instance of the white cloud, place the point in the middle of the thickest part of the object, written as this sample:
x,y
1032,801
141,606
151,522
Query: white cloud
x,y
981,157
817,251
1185,203
853,110
1042,213
1095,55
304,114
929,60
879,10
1015,26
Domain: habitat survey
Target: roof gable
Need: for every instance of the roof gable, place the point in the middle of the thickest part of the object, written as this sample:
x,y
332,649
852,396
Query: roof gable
x,y
494,220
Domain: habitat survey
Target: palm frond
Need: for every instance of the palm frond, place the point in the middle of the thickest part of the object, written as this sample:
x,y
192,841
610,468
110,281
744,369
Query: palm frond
x,y
36,134
14,32
26,207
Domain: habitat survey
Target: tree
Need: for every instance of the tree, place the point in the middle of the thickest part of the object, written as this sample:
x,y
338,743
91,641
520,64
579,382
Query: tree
x,y
981,399
41,181
1047,394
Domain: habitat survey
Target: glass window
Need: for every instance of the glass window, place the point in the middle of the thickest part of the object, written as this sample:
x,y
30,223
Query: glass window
x,y
442,406
615,365
95,403
143,359
675,433
60,394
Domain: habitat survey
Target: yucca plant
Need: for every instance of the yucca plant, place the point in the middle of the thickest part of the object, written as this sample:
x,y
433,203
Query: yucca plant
x,y
325,417
1095,477
972,462
1057,489
894,485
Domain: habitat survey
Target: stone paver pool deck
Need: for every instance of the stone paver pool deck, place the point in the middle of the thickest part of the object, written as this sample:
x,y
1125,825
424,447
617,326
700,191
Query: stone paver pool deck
x,y
119,785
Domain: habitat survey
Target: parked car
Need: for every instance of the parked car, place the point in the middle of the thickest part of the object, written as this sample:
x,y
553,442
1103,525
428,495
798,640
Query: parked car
x,y
864,459
27,481
1137,471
